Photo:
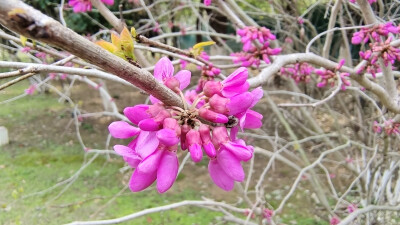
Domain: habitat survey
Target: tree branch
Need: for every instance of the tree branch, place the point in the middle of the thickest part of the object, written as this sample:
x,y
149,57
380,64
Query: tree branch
x,y
31,23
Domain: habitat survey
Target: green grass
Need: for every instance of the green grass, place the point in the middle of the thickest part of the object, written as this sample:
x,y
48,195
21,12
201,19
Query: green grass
x,y
36,160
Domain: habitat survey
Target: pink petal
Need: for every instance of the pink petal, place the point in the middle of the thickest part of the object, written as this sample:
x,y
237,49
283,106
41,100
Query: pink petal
x,y
233,132
140,181
147,143
137,113
167,137
240,103
108,2
184,78
132,161
123,150
218,175
195,152
231,165
122,129
154,100
167,171
151,162
234,90
239,151
252,120
257,95
149,125
163,69
210,150
238,77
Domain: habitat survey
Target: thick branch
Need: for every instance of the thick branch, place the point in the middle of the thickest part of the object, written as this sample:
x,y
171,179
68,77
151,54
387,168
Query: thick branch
x,y
29,22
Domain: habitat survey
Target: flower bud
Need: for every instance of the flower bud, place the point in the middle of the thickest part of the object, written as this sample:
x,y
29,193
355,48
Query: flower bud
x,y
213,116
211,88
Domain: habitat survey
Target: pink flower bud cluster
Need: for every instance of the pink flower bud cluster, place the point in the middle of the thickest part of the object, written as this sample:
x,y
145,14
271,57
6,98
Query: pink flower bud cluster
x,y
371,66
250,34
210,70
30,90
207,124
388,53
25,49
207,2
329,76
299,72
369,1
268,213
390,127
334,221
252,55
375,32
85,5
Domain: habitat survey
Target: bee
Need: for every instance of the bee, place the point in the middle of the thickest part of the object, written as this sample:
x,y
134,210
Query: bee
x,y
232,121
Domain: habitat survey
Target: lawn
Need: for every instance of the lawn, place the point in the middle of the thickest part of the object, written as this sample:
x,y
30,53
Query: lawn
x,y
44,152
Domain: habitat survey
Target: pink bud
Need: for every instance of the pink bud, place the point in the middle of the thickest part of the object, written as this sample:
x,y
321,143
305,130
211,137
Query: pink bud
x,y
220,135
122,129
150,163
212,116
149,125
172,83
211,88
137,113
167,137
184,130
218,104
194,142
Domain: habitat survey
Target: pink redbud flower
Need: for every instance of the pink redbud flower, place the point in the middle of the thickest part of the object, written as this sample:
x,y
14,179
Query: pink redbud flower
x,y
25,49
52,76
193,142
30,90
207,2
234,84
164,71
231,106
208,146
369,1
351,208
268,213
334,221
392,127
41,55
299,72
85,5
377,127
212,116
219,176
300,20
122,129
330,77
210,70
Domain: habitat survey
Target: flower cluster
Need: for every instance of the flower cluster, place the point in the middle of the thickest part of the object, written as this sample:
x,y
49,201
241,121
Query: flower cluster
x,y
85,5
252,54
30,90
299,72
208,122
369,1
329,76
375,32
390,127
250,34
378,48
